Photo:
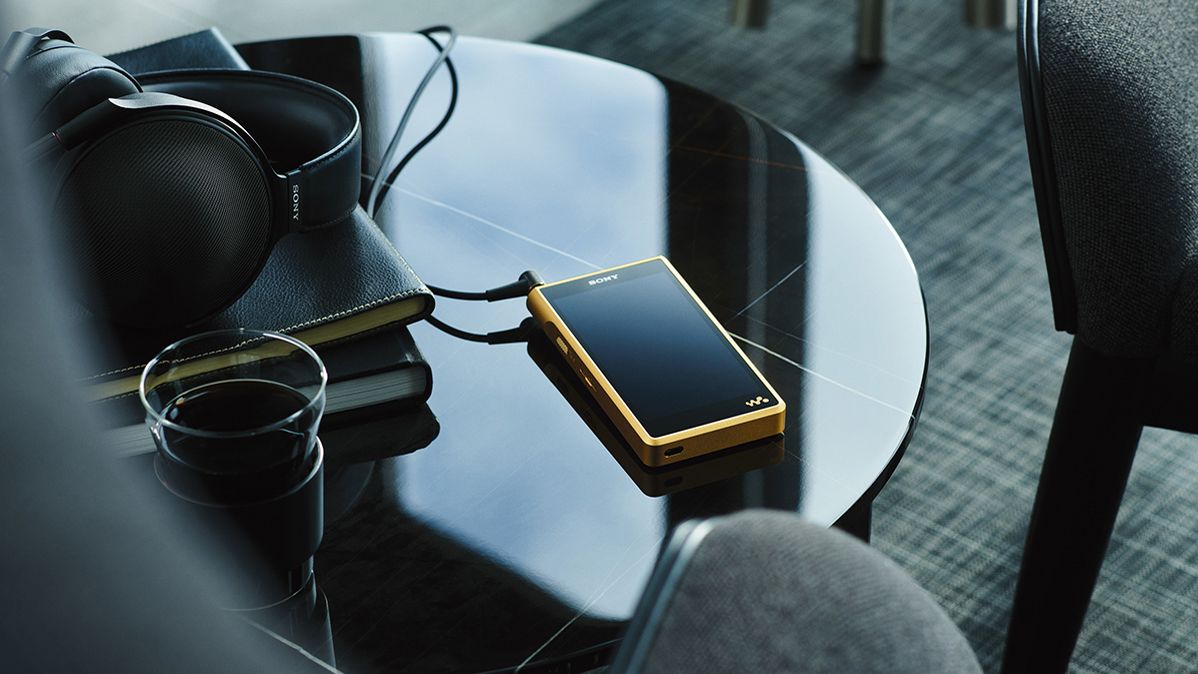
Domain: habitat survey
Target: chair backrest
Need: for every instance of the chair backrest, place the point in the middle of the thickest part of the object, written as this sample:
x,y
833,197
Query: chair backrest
x,y
1110,102
763,591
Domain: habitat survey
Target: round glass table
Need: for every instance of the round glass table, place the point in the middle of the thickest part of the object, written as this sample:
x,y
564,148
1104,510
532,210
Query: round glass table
x,y
522,534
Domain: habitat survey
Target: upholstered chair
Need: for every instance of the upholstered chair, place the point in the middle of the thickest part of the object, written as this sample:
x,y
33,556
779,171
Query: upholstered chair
x,y
1110,102
763,591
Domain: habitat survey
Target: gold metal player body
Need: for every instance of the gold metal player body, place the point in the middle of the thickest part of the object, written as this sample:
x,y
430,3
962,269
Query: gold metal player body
x,y
753,424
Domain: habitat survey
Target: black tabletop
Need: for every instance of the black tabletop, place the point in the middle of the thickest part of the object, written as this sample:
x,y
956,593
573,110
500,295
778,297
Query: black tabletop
x,y
522,535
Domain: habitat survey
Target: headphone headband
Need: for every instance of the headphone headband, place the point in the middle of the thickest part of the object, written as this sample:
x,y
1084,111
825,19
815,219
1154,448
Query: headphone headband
x,y
310,133
21,43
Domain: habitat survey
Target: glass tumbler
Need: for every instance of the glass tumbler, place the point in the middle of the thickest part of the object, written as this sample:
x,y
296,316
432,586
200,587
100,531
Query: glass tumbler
x,y
234,413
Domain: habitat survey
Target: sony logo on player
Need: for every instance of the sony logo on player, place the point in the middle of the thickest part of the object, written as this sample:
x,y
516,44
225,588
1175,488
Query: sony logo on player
x,y
603,279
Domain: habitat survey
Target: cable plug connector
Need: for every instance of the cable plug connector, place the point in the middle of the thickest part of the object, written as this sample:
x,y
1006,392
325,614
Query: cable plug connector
x,y
519,288
528,280
520,333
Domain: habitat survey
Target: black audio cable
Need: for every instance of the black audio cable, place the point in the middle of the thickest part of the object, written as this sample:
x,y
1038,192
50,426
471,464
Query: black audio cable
x,y
381,187
528,280
520,333
520,288
385,185
376,187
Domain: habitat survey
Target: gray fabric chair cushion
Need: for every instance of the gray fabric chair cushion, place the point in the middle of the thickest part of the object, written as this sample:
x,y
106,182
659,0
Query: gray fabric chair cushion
x,y
1121,91
767,592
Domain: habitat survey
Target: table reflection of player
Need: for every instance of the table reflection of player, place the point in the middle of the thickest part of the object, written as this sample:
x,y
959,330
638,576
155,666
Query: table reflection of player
x,y
702,470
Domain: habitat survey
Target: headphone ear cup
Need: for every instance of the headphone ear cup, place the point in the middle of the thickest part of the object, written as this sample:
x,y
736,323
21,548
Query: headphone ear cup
x,y
59,80
169,219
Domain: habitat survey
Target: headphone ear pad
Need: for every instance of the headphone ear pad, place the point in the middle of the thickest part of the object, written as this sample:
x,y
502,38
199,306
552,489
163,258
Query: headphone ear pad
x,y
168,217
59,80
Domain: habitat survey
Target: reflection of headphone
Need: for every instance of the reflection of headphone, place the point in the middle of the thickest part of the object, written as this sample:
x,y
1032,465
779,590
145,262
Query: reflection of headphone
x,y
169,201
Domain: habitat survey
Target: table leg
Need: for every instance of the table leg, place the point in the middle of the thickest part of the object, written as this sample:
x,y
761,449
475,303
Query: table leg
x,y
990,13
858,521
749,13
873,22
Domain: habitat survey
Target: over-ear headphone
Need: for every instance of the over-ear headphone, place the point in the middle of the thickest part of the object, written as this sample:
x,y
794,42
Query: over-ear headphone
x,y
173,188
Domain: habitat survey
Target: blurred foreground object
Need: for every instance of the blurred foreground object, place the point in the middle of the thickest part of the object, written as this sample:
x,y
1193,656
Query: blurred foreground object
x,y
96,580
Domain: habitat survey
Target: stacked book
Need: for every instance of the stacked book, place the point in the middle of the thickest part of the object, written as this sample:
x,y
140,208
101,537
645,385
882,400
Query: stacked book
x,y
344,291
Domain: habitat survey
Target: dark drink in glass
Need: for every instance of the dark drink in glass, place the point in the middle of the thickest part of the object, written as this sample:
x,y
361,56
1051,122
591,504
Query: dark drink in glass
x,y
235,415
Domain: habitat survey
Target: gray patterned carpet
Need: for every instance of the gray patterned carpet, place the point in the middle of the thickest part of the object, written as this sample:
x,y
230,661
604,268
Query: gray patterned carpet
x,y
936,138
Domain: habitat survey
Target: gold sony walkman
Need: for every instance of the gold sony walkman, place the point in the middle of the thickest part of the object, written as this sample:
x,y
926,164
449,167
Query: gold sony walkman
x,y
671,379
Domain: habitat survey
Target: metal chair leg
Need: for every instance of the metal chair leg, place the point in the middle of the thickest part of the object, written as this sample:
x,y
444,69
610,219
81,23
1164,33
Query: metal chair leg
x,y
749,13
991,13
873,22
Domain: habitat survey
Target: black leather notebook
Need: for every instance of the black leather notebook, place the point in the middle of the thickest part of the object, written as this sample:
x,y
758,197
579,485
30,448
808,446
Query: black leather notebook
x,y
324,287
378,433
